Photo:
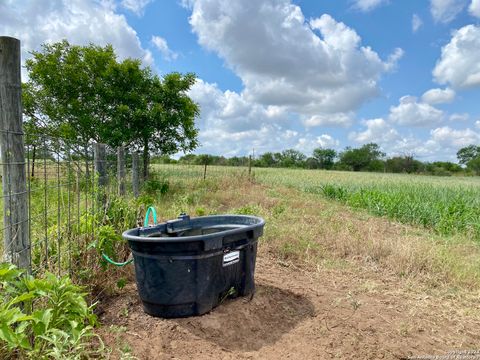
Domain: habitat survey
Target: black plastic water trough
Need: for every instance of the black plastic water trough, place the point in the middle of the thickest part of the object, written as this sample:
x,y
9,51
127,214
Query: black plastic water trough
x,y
187,266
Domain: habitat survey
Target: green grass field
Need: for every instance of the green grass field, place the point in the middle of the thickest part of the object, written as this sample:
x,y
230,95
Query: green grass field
x,y
412,225
446,205
444,211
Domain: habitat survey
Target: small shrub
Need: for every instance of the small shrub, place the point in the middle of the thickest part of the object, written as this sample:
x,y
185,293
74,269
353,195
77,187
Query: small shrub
x,y
335,192
253,210
200,211
60,326
121,214
156,186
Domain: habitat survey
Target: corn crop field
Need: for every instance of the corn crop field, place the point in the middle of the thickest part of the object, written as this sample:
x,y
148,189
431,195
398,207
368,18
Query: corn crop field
x,y
446,205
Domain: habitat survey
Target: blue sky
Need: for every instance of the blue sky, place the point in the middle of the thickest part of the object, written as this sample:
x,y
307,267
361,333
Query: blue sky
x,y
277,74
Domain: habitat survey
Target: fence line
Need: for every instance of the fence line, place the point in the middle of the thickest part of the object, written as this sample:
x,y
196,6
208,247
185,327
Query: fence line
x,y
55,194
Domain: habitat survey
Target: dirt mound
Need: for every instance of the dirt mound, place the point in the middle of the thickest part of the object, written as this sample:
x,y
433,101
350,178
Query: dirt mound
x,y
250,324
301,314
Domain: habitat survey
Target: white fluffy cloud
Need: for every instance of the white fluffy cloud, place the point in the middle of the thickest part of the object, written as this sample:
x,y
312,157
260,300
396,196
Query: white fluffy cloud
x,y
337,119
474,8
367,5
136,6
231,125
390,140
446,10
230,111
307,143
416,22
79,21
438,96
162,46
454,139
378,131
459,117
459,64
442,143
312,68
477,124
410,112
326,141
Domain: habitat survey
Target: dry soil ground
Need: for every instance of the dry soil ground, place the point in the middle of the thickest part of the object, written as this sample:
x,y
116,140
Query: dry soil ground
x,y
360,305
300,314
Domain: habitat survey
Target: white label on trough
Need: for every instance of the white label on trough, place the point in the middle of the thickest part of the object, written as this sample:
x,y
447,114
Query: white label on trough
x,y
231,258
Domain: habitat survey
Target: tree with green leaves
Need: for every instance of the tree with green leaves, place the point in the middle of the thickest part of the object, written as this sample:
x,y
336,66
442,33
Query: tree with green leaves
x,y
31,125
86,95
166,121
324,157
359,159
291,158
267,159
403,164
474,165
68,88
468,153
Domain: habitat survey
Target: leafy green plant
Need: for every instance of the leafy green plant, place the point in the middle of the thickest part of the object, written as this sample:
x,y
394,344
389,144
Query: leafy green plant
x,y
121,213
156,186
106,242
200,211
232,292
145,200
254,210
44,318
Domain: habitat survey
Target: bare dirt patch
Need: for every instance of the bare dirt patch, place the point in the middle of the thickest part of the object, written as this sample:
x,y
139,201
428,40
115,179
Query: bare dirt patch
x,y
299,313
258,322
332,283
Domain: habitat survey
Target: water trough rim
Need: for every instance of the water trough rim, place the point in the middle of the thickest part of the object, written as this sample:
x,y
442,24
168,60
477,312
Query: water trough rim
x,y
260,222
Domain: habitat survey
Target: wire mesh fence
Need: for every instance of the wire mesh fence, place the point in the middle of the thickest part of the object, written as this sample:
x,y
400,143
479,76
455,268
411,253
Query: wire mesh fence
x,y
53,204
66,195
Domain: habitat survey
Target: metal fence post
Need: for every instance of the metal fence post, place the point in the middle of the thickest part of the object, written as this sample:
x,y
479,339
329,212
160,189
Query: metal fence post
x,y
121,172
99,157
205,168
14,181
250,166
135,175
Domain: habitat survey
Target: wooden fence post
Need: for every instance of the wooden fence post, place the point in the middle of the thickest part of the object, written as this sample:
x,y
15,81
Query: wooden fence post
x,y
121,172
135,175
14,181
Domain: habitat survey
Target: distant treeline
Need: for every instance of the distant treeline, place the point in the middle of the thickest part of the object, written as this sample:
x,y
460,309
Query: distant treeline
x,y
368,157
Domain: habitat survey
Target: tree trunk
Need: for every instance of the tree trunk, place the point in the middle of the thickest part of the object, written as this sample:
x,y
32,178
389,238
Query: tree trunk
x,y
146,160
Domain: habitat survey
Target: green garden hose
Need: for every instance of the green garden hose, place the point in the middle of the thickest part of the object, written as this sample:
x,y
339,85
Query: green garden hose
x,y
116,263
152,210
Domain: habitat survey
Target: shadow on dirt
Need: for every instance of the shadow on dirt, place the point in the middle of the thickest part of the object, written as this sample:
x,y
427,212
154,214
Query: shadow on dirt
x,y
248,325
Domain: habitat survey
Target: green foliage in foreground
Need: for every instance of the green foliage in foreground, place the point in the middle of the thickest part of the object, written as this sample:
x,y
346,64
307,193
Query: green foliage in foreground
x,y
44,318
